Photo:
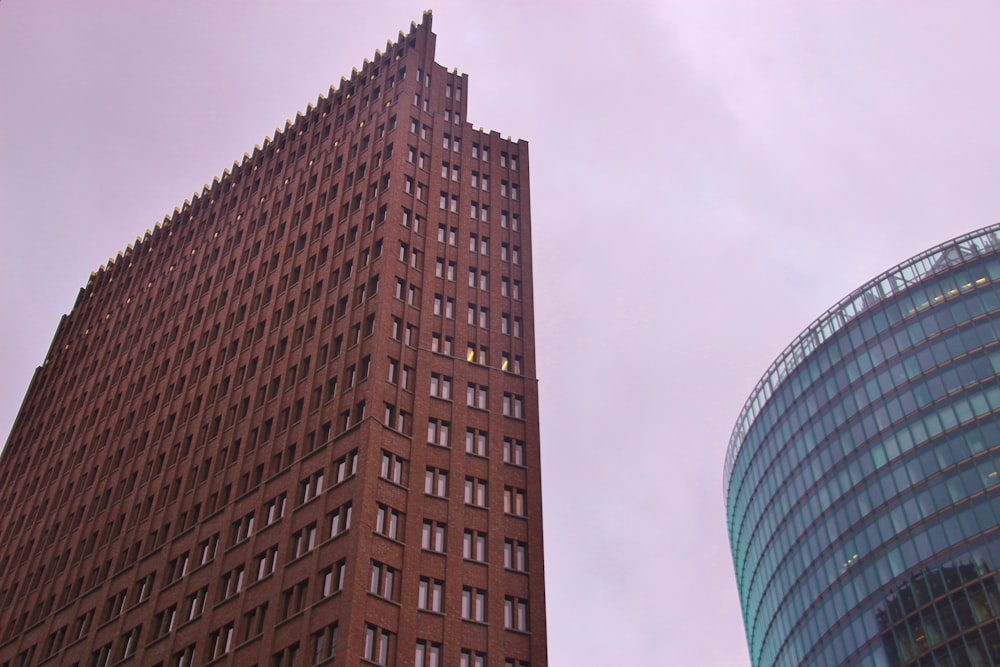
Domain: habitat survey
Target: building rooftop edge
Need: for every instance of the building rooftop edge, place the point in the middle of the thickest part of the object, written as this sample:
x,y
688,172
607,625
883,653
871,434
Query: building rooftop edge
x,y
885,285
426,23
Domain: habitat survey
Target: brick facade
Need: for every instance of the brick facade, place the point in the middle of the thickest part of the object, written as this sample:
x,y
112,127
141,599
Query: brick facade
x,y
297,423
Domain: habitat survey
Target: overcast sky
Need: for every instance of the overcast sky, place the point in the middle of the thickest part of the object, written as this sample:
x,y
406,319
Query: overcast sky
x,y
707,178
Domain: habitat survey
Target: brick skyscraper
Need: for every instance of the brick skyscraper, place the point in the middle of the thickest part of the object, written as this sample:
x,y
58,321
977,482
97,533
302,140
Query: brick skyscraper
x,y
297,422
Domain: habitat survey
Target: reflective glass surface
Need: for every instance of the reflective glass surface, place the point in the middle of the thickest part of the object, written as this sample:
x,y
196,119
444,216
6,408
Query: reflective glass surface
x,y
863,477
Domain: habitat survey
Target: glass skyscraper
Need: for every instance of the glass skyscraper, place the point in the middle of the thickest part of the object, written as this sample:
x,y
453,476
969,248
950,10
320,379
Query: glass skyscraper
x,y
862,479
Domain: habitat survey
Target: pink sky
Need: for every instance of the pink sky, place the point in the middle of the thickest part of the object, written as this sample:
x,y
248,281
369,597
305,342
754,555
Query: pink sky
x,y
706,179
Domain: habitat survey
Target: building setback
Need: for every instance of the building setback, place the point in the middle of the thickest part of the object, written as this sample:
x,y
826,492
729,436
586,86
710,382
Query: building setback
x,y
863,475
297,423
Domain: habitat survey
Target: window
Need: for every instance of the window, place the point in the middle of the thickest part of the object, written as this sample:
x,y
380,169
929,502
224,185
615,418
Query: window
x,y
437,432
340,519
436,482
474,545
517,327
346,466
475,491
232,583
432,536
311,486
377,643
142,588
331,579
253,622
324,644
183,658
476,396
383,580
274,509
114,605
387,521
515,614
430,594
513,405
505,286
293,599
505,323
441,386
473,604
442,345
515,555
265,562
513,451
286,657
471,658
130,640
475,442
163,622
392,467
428,654
220,641
194,604
303,541
513,501
241,529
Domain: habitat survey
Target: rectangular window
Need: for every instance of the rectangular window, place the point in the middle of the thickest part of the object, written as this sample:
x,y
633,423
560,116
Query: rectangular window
x,y
253,622
311,486
515,555
515,614
473,604
387,521
383,580
474,545
265,562
331,579
513,405
377,644
441,386
476,396
220,641
513,501
430,594
471,659
340,519
346,466
428,654
513,451
324,644
303,541
392,467
432,537
293,599
475,492
475,442
241,529
436,482
437,432
274,509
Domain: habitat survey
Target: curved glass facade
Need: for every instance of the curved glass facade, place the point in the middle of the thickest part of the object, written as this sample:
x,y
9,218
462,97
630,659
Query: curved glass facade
x,y
862,479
